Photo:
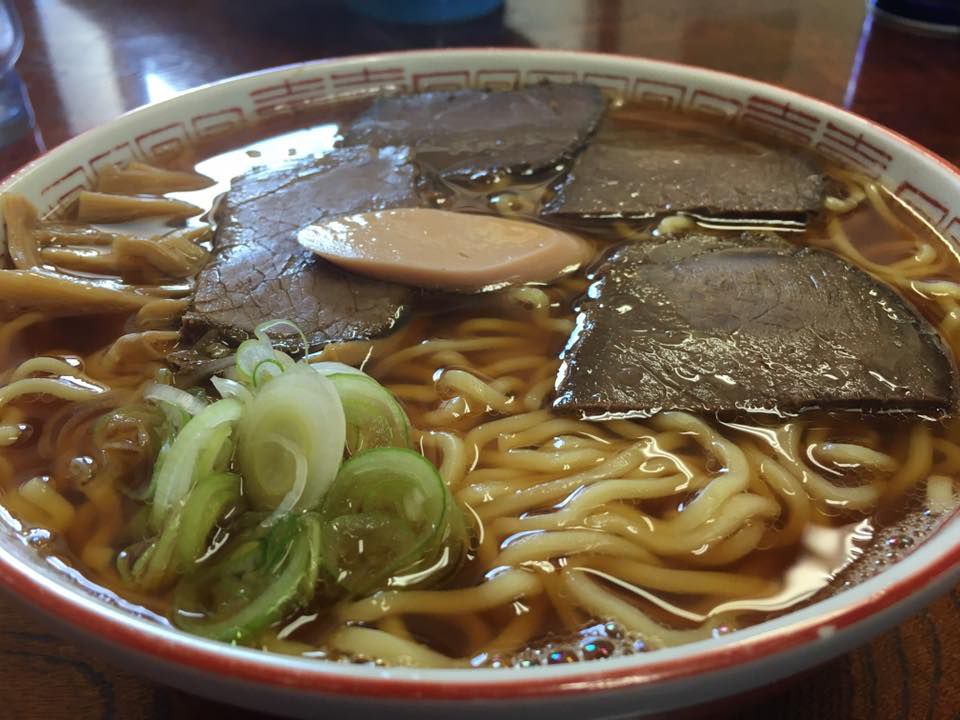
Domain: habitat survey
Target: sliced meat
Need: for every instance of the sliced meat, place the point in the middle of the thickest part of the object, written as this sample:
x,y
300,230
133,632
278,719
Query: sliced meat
x,y
469,132
259,272
748,324
718,180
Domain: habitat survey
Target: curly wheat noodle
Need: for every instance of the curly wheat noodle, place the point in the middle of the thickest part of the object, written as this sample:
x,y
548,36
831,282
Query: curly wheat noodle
x,y
902,277
734,479
601,603
545,461
681,581
49,366
917,465
501,476
950,454
742,543
847,454
66,388
448,358
58,510
539,546
861,497
578,442
505,587
508,385
492,326
453,464
618,464
414,393
477,393
513,636
791,493
486,433
384,367
395,625
535,396
582,502
512,365
649,532
528,297
548,430
475,629
372,644
941,497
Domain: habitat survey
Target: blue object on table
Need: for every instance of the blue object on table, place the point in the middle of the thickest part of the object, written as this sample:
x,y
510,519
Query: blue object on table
x,y
424,12
934,15
15,114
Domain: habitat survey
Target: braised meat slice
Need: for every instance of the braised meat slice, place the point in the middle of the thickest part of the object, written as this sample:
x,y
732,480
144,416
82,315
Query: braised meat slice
x,y
259,272
748,324
471,132
719,180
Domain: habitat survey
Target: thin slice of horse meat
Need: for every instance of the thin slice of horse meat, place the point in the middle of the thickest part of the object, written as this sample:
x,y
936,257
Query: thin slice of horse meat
x,y
721,180
748,324
465,133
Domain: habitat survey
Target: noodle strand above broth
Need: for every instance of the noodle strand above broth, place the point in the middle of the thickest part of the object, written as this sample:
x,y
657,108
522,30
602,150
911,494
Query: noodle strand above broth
x,y
527,536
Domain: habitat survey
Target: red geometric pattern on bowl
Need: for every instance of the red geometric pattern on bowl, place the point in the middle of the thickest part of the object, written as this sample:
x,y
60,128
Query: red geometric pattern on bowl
x,y
711,103
64,188
952,230
613,85
368,78
163,142
853,149
927,206
116,155
441,80
669,96
497,79
209,124
780,119
532,77
288,96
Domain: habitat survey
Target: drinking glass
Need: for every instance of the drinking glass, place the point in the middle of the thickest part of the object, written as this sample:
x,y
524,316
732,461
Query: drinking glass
x,y
15,115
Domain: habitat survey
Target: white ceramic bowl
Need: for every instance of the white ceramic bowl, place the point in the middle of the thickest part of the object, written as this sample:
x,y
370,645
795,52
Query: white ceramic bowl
x,y
637,685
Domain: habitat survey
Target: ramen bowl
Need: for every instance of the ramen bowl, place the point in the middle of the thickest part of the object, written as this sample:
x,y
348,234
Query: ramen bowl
x,y
635,685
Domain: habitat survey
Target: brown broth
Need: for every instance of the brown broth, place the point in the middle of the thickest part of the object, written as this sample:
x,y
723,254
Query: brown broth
x,y
837,544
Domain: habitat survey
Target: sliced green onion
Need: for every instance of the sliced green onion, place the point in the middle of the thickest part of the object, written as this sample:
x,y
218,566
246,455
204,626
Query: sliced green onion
x,y
302,407
185,536
249,356
211,500
386,512
332,367
263,328
202,447
262,576
231,389
170,395
300,470
265,370
374,417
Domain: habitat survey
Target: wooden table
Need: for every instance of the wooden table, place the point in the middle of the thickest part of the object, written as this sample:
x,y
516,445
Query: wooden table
x,y
86,61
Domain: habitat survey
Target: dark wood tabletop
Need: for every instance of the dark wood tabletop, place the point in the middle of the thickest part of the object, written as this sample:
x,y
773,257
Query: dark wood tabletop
x,y
86,61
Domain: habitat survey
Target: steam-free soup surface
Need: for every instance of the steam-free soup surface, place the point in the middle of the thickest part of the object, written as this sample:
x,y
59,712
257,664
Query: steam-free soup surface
x,y
440,510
